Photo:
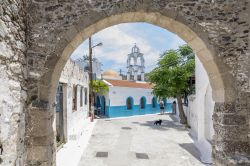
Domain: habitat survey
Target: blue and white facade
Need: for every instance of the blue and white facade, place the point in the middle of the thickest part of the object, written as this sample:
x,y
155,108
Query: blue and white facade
x,y
132,96
130,101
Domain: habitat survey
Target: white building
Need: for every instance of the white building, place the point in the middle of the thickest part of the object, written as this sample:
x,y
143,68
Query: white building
x,y
96,66
199,113
128,98
72,102
132,96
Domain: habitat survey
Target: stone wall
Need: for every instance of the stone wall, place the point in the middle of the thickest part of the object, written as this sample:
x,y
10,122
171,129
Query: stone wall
x,y
73,75
12,82
217,30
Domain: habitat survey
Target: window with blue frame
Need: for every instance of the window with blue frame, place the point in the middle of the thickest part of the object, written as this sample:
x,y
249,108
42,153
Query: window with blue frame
x,y
129,103
143,102
154,102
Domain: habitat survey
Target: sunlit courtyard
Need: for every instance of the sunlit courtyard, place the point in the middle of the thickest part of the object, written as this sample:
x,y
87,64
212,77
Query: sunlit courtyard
x,y
136,141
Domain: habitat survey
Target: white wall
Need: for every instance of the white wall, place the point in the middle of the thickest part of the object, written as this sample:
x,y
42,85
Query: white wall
x,y
136,93
192,116
209,108
73,75
199,113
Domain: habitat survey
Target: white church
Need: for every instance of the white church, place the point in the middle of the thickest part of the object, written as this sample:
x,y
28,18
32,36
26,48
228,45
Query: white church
x,y
132,96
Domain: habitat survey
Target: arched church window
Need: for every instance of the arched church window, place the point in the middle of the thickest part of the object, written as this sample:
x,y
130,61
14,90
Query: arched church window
x,y
154,102
143,102
129,103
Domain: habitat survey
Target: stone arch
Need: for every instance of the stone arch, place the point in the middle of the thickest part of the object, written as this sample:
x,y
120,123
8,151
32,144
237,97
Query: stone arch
x,y
52,39
194,36
217,71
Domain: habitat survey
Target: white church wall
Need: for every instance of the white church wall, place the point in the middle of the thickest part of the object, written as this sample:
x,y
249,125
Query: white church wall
x,y
118,102
136,93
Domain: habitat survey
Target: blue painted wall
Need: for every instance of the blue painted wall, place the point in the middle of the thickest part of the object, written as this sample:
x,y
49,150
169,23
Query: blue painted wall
x,y
121,111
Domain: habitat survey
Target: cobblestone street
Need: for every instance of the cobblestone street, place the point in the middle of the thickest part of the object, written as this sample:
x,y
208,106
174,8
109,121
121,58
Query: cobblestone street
x,y
137,141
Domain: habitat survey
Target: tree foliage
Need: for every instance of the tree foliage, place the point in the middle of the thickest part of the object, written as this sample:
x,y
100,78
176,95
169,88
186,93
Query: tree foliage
x,y
99,87
170,77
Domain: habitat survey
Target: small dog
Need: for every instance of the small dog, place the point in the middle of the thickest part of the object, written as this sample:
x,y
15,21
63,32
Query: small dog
x,y
158,122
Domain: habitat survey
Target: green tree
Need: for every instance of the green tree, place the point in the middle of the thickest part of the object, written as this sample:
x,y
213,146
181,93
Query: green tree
x,y
170,77
99,87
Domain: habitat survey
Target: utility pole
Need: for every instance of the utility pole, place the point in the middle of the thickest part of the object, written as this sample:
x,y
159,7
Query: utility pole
x,y
91,94
91,111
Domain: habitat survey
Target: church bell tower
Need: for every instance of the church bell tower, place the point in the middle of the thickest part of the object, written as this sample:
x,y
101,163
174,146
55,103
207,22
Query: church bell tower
x,y
135,65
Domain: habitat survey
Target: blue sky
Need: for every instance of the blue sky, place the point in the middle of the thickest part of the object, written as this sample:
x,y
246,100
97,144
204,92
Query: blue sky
x,y
119,39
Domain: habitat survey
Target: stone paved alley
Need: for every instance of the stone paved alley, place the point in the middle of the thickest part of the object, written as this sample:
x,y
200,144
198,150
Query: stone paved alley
x,y
123,140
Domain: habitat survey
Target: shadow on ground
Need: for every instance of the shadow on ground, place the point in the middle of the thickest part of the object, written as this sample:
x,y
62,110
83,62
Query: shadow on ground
x,y
173,117
166,124
190,148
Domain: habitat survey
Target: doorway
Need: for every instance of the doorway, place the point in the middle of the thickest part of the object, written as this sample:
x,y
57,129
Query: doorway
x,y
60,139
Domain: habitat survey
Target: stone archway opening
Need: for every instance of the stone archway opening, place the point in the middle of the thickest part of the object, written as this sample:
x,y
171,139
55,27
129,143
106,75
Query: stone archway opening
x,y
197,41
223,88
203,50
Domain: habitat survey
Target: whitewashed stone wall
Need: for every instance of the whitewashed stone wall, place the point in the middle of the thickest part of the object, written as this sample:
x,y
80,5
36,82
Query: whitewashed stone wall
x,y
73,75
199,113
192,116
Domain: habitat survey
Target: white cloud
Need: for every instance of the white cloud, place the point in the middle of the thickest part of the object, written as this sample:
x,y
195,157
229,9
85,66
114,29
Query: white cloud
x,y
117,43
